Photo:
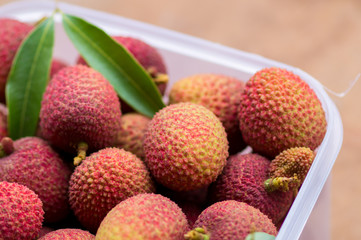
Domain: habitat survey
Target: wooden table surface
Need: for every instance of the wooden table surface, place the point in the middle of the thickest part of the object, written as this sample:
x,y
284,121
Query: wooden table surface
x,y
321,37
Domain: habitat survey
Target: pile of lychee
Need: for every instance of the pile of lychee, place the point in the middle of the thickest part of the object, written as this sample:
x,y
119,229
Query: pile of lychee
x,y
99,170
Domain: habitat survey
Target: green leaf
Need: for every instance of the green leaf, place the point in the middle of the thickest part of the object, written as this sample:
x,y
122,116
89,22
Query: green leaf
x,y
260,236
132,83
27,80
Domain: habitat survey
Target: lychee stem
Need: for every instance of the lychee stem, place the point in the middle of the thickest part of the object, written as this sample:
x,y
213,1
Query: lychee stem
x,y
82,148
280,183
6,146
197,234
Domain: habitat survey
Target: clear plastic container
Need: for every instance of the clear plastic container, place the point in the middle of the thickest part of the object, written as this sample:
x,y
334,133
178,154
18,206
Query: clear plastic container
x,y
186,55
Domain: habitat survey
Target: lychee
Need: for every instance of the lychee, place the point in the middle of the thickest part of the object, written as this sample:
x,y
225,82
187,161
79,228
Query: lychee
x,y
243,179
80,111
131,134
219,93
12,33
228,220
278,111
21,214
104,179
144,216
32,162
68,234
289,169
185,146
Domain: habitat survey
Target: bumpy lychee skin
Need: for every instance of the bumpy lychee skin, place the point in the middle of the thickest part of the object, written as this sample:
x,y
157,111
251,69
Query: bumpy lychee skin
x,y
231,219
144,216
278,111
21,214
186,146
218,93
243,179
68,234
33,155
294,160
131,134
289,169
103,180
79,105
12,33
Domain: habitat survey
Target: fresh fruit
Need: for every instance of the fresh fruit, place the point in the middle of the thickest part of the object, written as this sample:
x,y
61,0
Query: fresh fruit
x,y
56,66
12,33
68,234
278,111
21,214
218,93
148,57
131,134
243,179
143,217
104,179
289,169
32,162
80,111
228,220
185,146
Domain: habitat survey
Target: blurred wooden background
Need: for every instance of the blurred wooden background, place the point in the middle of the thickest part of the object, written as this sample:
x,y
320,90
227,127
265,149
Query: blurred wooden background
x,y
322,37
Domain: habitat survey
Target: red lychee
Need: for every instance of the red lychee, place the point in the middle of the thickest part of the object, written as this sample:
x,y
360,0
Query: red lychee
x,y
30,161
80,110
12,33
